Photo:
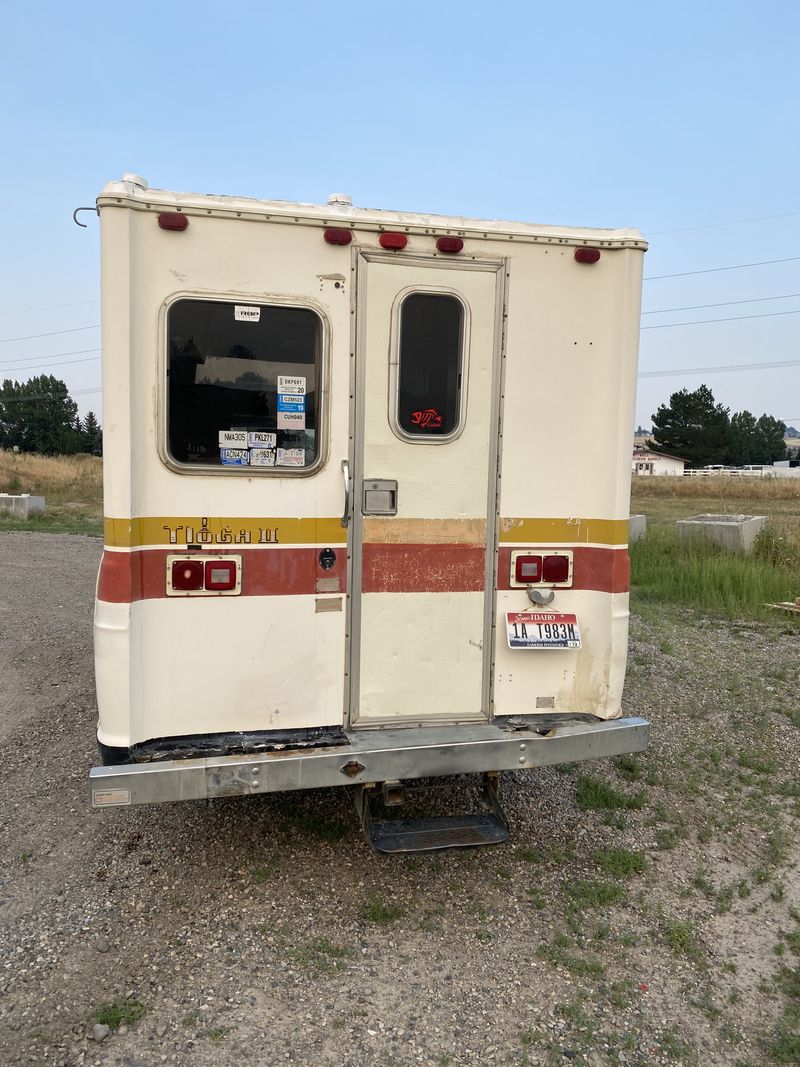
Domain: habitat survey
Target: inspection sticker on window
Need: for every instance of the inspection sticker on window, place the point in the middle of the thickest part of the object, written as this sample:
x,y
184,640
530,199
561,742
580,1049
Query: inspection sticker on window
x,y
291,457
234,457
289,384
261,439
233,438
535,629
262,457
246,313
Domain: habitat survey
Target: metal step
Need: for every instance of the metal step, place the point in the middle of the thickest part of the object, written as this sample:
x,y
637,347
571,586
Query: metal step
x,y
437,833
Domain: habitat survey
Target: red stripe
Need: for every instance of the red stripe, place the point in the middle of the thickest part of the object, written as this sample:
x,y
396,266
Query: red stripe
x,y
129,576
604,570
422,568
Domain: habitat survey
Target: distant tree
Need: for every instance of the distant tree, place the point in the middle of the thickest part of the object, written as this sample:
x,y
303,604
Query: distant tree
x,y
693,427
91,435
745,440
771,442
38,416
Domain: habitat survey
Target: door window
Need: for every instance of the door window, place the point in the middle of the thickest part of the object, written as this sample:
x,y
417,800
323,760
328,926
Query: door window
x,y
430,347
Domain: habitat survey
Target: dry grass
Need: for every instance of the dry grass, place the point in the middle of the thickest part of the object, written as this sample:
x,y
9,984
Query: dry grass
x,y
75,479
663,500
71,485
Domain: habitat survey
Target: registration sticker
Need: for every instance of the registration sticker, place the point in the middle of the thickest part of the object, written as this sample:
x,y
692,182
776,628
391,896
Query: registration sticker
x,y
233,438
542,629
291,420
291,457
289,384
234,457
261,439
262,457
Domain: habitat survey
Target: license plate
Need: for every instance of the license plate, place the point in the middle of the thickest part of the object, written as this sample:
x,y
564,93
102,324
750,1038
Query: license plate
x,y
540,629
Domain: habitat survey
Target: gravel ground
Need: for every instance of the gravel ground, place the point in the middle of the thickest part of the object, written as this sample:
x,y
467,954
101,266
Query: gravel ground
x,y
658,927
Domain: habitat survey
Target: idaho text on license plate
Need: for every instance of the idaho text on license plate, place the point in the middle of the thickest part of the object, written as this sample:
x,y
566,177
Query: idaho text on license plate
x,y
540,629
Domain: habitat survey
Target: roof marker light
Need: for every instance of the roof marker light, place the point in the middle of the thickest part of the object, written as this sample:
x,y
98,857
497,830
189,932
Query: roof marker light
x,y
338,235
172,220
393,240
587,255
449,244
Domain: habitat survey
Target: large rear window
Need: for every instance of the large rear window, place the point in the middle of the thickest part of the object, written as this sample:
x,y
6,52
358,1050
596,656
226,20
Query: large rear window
x,y
243,384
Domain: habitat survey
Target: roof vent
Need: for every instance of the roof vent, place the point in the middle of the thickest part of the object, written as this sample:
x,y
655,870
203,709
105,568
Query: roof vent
x,y
134,179
340,200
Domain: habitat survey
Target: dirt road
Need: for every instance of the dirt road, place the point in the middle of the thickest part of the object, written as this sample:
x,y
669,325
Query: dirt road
x,y
642,914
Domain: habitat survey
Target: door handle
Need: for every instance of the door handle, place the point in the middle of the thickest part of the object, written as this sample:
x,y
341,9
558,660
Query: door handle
x,y
346,474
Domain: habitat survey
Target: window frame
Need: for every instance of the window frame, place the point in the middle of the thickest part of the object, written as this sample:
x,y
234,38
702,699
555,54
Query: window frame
x,y
321,430
394,366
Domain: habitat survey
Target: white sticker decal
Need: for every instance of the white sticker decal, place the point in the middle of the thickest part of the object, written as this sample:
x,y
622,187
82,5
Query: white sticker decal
x,y
246,313
291,457
261,439
233,438
262,457
291,420
287,384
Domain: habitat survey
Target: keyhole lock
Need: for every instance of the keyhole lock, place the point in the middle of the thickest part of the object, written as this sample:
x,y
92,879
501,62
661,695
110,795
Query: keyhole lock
x,y
327,558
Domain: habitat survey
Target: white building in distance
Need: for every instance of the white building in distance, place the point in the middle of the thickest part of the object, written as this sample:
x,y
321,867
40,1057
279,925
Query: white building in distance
x,y
648,462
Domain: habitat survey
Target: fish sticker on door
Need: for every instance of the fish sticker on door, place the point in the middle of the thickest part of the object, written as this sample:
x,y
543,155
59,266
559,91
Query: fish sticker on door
x,y
427,419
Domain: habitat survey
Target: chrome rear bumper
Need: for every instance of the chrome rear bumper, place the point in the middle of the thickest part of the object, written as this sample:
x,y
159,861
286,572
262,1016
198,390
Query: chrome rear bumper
x,y
368,756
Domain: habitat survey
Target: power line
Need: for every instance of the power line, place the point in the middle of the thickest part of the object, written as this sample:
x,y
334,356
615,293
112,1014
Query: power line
x,y
53,333
733,222
724,304
731,318
50,307
712,270
37,361
47,363
726,367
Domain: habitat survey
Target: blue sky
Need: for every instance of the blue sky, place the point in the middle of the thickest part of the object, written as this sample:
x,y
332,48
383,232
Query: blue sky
x,y
673,117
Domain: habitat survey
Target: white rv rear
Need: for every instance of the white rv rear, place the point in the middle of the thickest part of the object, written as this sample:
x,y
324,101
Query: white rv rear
x,y
366,492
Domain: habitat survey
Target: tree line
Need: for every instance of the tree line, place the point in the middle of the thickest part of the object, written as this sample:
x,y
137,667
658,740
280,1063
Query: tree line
x,y
694,427
40,416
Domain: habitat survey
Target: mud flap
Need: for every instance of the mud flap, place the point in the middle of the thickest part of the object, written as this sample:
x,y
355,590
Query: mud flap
x,y
437,833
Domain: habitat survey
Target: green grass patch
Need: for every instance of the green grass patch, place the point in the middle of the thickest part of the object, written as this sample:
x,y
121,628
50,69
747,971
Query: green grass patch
x,y
681,937
321,955
375,910
122,1010
665,569
620,862
59,520
595,794
590,893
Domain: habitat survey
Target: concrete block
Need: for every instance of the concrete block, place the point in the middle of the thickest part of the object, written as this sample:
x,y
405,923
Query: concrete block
x,y
637,528
22,506
733,533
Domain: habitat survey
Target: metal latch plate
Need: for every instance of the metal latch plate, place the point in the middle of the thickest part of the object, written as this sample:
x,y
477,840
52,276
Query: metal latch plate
x,y
380,497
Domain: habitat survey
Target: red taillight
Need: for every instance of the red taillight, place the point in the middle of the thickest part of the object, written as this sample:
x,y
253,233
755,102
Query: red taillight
x,y
187,575
172,220
449,244
528,569
587,255
338,235
393,240
220,575
555,569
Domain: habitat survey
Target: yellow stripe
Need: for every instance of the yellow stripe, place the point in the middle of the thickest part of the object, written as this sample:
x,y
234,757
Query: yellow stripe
x,y
222,530
393,531
564,531
216,530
